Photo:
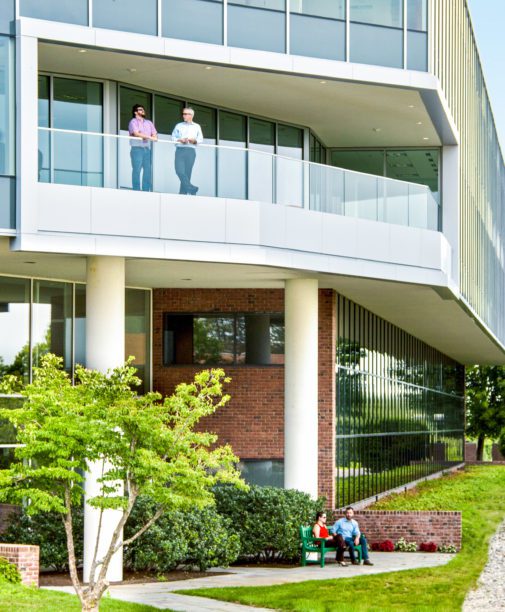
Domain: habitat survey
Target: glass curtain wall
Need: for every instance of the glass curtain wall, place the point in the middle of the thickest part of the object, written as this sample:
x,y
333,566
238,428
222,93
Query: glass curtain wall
x,y
66,11
257,24
126,15
205,18
317,28
7,133
399,407
376,32
41,316
417,35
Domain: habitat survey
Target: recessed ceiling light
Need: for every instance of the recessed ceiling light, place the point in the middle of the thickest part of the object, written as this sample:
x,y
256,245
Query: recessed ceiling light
x,y
82,51
411,106
377,129
419,123
132,69
425,138
323,82
208,67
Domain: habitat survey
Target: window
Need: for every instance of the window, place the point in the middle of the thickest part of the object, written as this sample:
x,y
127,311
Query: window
x,y
7,115
137,327
205,16
15,327
263,472
126,15
67,11
318,28
417,37
257,24
227,339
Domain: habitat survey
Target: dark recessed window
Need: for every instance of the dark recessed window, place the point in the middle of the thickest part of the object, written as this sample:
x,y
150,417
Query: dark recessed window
x,y
223,339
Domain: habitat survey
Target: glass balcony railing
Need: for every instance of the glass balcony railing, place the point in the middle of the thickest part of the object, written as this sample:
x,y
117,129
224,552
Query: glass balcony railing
x,y
106,160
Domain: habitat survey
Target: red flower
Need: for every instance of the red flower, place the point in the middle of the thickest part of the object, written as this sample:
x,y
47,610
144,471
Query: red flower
x,y
428,547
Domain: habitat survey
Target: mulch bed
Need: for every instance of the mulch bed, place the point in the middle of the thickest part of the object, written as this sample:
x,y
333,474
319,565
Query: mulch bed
x,y
48,579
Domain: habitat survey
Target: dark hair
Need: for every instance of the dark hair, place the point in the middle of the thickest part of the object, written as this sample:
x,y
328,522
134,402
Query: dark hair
x,y
135,108
319,514
349,508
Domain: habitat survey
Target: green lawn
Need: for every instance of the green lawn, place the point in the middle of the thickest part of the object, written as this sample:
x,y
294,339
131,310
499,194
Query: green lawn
x,y
479,493
17,597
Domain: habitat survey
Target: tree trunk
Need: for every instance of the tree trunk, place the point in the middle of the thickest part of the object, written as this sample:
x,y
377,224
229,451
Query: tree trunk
x,y
480,447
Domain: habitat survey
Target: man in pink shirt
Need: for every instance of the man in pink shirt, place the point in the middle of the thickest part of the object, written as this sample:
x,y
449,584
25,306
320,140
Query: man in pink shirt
x,y
140,152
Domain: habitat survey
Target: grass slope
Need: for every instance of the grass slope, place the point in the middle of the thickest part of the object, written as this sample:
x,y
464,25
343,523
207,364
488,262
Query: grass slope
x,y
479,492
18,597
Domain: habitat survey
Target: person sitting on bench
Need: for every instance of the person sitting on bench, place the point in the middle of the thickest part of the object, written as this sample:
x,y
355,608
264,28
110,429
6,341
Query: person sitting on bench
x,y
347,529
320,531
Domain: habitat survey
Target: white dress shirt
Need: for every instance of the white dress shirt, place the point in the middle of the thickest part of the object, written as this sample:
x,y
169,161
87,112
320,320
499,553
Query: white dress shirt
x,y
187,130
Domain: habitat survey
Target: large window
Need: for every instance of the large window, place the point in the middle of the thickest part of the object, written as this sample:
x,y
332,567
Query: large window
x,y
7,132
15,327
417,35
257,24
233,339
126,15
205,18
137,331
317,28
376,32
67,11
400,406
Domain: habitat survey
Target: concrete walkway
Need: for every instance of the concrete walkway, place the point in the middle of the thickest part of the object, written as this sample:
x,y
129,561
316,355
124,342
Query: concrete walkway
x,y
160,594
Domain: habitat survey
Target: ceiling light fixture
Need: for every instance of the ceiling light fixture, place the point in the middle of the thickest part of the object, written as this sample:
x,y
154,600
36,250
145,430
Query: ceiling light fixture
x,y
419,123
425,138
411,106
377,129
82,51
323,82
208,67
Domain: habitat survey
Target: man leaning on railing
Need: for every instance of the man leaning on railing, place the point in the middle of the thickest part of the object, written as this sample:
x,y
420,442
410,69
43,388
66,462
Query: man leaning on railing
x,y
187,135
140,152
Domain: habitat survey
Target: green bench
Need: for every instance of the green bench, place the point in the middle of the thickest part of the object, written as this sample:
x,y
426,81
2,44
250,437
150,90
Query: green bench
x,y
310,544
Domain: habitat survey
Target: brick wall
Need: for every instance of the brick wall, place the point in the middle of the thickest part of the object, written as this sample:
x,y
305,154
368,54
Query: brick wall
x,y
470,451
253,421
438,527
25,558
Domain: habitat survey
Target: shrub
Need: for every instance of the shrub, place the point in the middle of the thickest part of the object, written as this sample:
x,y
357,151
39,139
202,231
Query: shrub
x,y
267,519
428,547
447,548
403,546
385,546
46,530
9,572
201,537
501,442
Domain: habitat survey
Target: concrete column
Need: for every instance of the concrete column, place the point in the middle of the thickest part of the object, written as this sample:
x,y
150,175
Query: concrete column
x,y
300,375
105,345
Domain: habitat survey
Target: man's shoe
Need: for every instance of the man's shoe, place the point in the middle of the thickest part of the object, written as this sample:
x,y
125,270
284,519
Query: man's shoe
x,y
194,190
367,562
355,562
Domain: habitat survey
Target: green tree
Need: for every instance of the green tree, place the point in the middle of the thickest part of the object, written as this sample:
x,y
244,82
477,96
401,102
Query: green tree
x,y
146,442
485,403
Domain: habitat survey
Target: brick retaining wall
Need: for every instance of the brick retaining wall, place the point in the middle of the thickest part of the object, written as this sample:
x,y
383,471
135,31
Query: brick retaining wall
x,y
25,558
439,527
5,511
496,455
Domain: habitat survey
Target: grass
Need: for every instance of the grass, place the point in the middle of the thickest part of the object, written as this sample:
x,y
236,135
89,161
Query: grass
x,y
478,492
18,597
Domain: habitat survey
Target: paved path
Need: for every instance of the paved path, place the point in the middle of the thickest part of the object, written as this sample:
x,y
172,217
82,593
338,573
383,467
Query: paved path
x,y
490,592
160,594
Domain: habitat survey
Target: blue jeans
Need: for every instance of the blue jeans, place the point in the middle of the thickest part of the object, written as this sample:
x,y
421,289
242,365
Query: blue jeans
x,y
184,162
141,160
364,548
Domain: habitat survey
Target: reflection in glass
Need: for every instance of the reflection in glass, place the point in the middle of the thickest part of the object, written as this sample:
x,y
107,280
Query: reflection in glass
x,y
417,51
7,122
257,24
137,332
417,15
232,166
44,160
400,406
317,28
370,162
376,45
263,473
415,166
67,11
127,15
378,12
213,340
80,325
261,167
127,98
205,25
52,321
14,327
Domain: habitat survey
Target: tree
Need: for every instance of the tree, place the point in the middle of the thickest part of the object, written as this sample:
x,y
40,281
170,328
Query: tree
x,y
485,403
148,443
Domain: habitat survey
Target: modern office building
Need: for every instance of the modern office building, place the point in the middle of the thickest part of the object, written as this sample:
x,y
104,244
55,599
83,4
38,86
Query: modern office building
x,y
342,259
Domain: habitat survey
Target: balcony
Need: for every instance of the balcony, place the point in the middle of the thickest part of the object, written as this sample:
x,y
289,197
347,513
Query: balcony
x,y
104,161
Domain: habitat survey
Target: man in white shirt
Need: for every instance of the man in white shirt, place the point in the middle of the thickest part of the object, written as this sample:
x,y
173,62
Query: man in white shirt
x,y
187,135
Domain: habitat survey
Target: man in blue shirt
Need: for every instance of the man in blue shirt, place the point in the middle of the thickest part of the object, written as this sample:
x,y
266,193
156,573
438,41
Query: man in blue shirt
x,y
348,529
187,134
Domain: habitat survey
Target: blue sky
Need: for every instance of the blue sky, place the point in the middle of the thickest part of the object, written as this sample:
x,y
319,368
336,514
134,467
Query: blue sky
x,y
488,18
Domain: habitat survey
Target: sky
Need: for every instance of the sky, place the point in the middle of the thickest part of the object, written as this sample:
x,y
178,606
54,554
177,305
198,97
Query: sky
x,y
488,18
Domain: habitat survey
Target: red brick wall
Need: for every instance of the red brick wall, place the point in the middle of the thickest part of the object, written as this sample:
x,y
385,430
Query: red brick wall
x,y
25,558
253,421
495,453
470,451
438,527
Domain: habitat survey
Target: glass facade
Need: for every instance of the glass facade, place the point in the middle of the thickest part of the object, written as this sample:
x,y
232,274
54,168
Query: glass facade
x,y
263,472
317,28
206,20
7,133
400,406
40,316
